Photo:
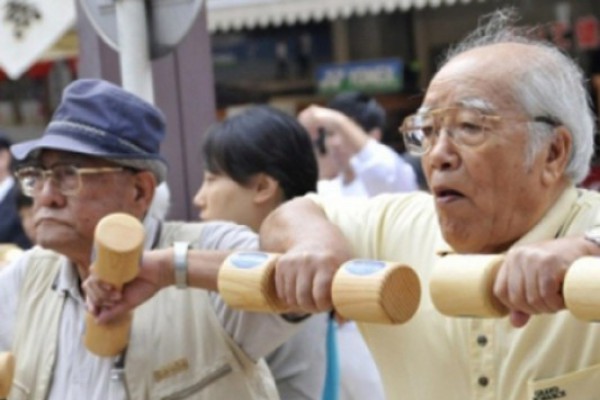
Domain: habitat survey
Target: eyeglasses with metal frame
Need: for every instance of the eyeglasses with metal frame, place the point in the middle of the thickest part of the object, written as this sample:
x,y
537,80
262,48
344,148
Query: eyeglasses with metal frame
x,y
67,178
468,127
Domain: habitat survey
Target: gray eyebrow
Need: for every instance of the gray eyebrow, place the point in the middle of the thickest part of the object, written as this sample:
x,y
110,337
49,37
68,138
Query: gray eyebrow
x,y
471,102
478,104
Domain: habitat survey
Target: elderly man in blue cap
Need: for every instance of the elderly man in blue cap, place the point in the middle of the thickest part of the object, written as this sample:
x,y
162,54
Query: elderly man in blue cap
x,y
99,155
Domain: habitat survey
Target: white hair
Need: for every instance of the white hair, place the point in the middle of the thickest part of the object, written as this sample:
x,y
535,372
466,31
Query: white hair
x,y
549,85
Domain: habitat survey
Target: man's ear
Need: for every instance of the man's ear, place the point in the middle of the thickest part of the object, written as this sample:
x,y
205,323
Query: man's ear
x,y
558,154
266,189
144,185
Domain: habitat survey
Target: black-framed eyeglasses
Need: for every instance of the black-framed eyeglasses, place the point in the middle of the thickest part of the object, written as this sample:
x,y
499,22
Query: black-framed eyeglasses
x,y
466,126
67,178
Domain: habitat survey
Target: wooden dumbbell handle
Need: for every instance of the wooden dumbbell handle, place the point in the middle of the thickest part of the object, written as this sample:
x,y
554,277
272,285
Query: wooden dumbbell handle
x,y
119,241
363,290
247,281
581,289
462,286
376,291
7,370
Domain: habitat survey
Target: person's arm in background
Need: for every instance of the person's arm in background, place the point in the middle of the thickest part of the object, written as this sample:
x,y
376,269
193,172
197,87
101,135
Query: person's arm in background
x,y
382,170
322,122
379,167
315,117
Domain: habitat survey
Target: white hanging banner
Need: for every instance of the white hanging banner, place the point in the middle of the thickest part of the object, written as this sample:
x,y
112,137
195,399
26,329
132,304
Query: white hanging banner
x,y
30,27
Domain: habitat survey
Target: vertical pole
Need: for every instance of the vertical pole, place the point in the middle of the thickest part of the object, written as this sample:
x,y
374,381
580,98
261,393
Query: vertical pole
x,y
134,48
184,92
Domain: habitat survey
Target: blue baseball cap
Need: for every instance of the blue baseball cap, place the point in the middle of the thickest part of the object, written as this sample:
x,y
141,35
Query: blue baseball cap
x,y
100,119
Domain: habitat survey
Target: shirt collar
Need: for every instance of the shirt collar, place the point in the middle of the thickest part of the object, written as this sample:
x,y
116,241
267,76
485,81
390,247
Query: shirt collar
x,y
553,221
547,228
67,280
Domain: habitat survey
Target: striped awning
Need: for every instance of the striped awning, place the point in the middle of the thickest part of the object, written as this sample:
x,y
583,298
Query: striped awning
x,y
228,15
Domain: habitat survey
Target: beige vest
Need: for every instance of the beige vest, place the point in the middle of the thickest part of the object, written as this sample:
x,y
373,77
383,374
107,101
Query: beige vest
x,y
178,349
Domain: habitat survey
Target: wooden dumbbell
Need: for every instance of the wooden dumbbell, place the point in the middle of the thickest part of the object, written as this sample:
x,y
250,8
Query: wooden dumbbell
x,y
118,241
462,285
7,371
581,289
362,290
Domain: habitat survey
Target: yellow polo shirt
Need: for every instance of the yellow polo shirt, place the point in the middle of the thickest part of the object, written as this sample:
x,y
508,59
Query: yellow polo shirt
x,y
434,357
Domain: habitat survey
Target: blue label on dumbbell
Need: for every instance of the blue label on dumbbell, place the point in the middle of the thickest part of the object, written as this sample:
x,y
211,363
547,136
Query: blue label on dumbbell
x,y
364,267
248,259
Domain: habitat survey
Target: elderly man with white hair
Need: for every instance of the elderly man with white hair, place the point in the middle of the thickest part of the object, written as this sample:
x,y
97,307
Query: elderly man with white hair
x,y
505,132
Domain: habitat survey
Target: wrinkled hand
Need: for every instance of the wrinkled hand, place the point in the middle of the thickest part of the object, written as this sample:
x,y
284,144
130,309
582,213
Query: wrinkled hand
x,y
303,278
108,303
530,279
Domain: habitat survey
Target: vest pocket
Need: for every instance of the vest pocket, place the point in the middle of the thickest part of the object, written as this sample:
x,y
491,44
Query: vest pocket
x,y
581,384
201,384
